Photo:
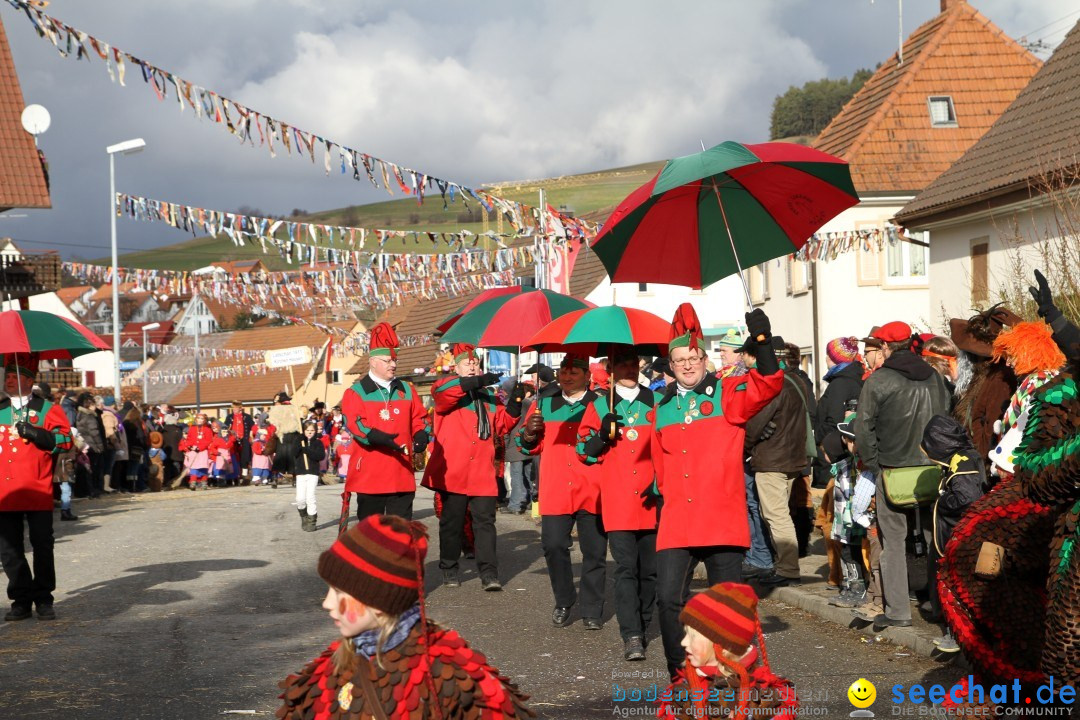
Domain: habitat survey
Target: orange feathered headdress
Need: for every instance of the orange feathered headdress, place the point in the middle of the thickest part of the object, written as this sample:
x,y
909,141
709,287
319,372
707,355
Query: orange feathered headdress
x,y
1030,346
686,329
383,341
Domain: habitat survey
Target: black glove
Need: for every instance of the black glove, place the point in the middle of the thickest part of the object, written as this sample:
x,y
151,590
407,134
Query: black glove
x,y
757,322
420,441
595,445
475,382
609,427
39,436
379,438
517,399
1044,299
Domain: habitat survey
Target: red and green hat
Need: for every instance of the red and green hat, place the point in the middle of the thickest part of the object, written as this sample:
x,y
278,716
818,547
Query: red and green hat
x,y
379,561
686,329
464,351
23,363
383,341
726,613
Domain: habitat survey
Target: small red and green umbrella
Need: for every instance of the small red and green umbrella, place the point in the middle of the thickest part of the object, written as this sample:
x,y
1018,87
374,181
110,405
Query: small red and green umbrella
x,y
51,336
481,298
593,331
509,321
708,215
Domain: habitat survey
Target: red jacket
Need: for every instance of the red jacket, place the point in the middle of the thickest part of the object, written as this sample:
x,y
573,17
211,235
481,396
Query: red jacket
x,y
198,438
26,470
697,448
366,407
569,485
625,466
460,461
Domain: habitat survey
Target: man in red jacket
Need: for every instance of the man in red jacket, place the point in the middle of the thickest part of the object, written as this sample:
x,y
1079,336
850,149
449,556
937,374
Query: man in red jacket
x,y
32,431
697,449
388,421
468,418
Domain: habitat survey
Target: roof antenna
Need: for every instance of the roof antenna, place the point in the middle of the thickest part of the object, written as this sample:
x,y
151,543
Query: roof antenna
x,y
899,31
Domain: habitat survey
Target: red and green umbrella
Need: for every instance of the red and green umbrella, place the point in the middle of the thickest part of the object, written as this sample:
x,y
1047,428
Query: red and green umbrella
x,y
708,215
51,336
481,298
593,331
509,321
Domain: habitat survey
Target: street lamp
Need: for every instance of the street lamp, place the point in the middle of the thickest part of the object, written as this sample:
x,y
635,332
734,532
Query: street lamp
x,y
125,148
146,329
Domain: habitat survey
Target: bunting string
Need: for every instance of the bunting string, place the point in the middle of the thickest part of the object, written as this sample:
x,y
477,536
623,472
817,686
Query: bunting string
x,y
828,246
245,124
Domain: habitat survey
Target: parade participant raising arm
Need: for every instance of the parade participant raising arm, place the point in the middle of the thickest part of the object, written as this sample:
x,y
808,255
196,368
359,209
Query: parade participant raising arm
x,y
391,662
569,495
615,435
387,419
697,448
468,418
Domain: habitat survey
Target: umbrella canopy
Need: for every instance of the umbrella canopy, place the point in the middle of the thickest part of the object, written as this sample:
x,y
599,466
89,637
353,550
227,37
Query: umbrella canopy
x,y
481,298
52,336
593,331
509,321
685,225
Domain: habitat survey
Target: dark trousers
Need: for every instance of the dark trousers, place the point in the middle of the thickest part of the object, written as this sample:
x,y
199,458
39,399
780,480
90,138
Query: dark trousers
x,y
452,532
674,571
384,504
555,539
25,589
97,472
634,553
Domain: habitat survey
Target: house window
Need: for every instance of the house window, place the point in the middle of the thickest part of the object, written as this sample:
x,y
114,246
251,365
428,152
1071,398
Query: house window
x,y
798,276
906,263
758,279
643,287
942,112
980,271
335,377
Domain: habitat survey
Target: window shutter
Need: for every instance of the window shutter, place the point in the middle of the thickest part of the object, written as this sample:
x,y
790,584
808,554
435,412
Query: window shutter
x,y
980,273
868,266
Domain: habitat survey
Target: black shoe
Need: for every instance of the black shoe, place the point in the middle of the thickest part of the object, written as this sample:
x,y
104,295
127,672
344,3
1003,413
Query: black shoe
x,y
66,515
884,621
46,612
634,648
560,617
753,571
491,584
774,580
450,578
592,623
18,612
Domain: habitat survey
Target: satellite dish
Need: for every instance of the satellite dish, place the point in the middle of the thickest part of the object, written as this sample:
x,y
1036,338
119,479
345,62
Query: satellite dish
x,y
35,119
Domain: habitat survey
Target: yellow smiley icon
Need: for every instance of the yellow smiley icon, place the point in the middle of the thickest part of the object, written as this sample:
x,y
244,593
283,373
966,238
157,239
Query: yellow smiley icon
x,y
862,693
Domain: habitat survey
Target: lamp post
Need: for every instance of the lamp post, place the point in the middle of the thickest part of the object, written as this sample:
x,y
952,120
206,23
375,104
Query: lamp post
x,y
146,329
127,147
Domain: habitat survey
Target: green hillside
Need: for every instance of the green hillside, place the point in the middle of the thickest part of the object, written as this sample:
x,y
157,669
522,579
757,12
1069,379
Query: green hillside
x,y
581,194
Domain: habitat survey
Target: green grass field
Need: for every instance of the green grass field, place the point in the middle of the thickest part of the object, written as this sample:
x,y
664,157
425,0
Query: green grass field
x,y
580,193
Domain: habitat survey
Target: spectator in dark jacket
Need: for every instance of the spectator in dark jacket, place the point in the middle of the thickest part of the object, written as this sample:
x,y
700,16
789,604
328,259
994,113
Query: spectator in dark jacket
x,y
137,441
844,382
963,481
172,432
70,406
776,444
92,431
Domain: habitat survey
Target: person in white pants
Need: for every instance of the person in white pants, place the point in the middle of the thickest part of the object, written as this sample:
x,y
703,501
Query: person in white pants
x,y
310,453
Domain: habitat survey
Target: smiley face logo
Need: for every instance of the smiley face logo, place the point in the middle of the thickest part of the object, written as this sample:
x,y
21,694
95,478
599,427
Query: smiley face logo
x,y
862,693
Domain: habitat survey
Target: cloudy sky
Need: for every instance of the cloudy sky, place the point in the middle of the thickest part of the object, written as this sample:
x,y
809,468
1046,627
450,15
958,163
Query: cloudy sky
x,y
468,91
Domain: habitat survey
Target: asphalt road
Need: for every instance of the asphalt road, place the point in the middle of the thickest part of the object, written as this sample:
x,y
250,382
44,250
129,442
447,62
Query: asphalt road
x,y
192,605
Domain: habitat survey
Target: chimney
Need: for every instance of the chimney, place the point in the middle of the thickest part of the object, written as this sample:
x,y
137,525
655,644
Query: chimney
x,y
946,5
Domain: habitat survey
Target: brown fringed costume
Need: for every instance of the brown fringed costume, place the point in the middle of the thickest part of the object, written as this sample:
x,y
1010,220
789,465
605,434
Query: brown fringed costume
x,y
467,687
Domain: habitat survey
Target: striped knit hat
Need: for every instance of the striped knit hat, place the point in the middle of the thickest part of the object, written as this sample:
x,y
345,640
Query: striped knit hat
x,y
726,613
379,561
842,350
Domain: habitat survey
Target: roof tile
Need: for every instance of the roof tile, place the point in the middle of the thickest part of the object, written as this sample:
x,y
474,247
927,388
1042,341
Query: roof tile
x,y
22,178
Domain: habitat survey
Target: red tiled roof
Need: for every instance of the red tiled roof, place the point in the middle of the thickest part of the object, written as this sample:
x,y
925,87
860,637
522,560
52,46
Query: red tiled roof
x,y
234,267
884,131
104,292
160,335
1037,135
69,295
22,179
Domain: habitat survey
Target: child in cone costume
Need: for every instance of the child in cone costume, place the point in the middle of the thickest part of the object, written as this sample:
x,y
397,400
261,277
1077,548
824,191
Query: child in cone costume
x,y
391,662
725,675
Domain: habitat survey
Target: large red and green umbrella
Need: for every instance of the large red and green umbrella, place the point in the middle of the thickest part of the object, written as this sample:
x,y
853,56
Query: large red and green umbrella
x,y
508,322
481,298
51,336
708,215
593,331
